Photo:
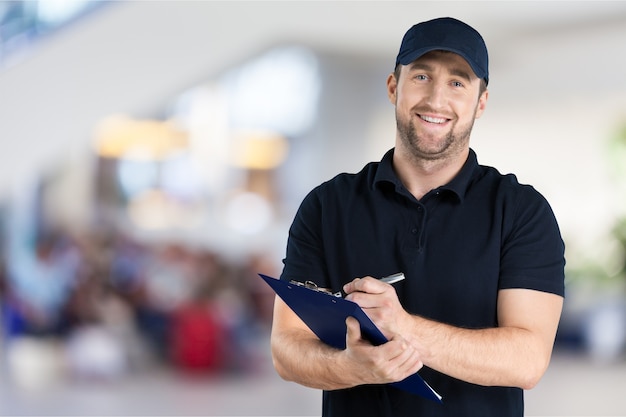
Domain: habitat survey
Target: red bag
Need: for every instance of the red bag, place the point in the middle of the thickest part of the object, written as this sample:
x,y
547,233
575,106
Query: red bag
x,y
197,339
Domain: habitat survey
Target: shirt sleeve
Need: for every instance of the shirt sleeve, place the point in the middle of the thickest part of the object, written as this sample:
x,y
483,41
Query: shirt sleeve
x,y
304,258
533,252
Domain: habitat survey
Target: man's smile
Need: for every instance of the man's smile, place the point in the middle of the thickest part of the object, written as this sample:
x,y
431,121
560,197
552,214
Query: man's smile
x,y
432,119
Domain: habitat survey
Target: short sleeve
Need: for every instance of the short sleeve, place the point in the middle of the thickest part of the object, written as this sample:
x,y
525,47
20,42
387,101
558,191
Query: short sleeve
x,y
533,251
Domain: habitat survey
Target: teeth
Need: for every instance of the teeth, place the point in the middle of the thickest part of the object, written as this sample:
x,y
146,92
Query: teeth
x,y
433,119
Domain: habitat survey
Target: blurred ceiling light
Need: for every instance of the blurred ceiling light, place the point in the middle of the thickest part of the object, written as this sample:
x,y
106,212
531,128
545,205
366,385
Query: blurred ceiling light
x,y
256,149
123,137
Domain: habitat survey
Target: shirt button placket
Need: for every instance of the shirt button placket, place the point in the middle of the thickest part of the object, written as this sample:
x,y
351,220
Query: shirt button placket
x,y
419,230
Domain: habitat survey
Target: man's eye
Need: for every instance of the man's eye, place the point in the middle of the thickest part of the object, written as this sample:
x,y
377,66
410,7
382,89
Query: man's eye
x,y
457,84
421,77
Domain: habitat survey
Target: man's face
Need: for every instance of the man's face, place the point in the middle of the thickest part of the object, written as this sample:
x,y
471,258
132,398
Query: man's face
x,y
437,99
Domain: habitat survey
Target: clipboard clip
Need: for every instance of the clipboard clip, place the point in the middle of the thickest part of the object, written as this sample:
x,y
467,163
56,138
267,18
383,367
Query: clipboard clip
x,y
313,286
391,279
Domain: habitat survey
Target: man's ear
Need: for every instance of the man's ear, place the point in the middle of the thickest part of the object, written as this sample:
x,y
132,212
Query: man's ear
x,y
482,103
392,88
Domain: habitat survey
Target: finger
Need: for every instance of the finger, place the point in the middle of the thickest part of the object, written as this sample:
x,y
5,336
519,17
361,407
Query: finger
x,y
365,285
412,364
353,331
407,358
351,286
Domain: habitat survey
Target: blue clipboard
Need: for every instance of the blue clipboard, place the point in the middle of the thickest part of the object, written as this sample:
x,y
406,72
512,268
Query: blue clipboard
x,y
326,316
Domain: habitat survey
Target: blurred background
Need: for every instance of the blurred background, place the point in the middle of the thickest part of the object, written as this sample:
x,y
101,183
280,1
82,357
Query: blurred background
x,y
153,155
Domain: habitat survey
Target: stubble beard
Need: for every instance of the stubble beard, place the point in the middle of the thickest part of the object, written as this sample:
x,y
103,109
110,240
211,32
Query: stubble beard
x,y
454,142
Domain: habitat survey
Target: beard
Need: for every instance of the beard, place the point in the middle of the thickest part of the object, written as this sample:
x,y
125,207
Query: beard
x,y
454,141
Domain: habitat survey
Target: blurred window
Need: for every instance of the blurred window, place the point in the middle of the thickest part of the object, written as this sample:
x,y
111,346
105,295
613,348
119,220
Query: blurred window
x,y
23,23
277,91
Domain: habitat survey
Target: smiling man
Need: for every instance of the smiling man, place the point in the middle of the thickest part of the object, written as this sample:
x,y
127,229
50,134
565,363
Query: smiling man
x,y
482,254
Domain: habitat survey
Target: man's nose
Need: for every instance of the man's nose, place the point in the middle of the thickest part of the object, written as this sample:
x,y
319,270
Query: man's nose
x,y
436,95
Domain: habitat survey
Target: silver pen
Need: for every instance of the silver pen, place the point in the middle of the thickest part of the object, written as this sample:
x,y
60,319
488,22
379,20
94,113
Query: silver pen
x,y
391,279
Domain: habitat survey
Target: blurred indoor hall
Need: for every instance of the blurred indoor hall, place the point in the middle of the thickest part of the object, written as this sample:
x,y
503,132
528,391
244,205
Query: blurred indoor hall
x,y
153,155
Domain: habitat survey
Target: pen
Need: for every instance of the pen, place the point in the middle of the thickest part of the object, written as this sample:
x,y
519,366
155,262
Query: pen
x,y
393,278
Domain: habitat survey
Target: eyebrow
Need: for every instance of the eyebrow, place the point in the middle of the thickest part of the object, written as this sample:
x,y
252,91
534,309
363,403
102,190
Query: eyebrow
x,y
454,71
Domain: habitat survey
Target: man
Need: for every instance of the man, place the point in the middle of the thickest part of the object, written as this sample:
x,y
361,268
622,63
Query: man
x,y
483,257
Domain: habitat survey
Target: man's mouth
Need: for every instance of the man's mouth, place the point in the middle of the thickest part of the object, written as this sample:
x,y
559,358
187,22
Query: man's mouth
x,y
436,120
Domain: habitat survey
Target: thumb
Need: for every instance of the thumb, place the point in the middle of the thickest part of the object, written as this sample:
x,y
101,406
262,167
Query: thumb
x,y
353,330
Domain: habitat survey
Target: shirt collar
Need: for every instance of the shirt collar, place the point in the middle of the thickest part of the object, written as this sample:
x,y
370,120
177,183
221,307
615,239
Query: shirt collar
x,y
459,184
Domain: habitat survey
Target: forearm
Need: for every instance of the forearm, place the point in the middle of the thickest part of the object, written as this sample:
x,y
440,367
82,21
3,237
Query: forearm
x,y
300,357
502,356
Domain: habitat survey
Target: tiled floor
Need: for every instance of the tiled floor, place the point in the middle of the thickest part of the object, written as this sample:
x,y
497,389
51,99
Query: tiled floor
x,y
573,386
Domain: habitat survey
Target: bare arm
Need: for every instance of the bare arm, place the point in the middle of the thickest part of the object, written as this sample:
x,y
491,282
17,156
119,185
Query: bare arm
x,y
516,353
299,356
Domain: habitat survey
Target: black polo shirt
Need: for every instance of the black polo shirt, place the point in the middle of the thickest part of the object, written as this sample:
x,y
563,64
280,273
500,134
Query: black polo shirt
x,y
457,246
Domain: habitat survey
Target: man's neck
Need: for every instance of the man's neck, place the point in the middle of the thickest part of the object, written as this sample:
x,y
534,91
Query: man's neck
x,y
419,176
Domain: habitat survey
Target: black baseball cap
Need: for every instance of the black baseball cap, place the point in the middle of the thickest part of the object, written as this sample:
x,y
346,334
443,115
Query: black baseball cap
x,y
446,34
